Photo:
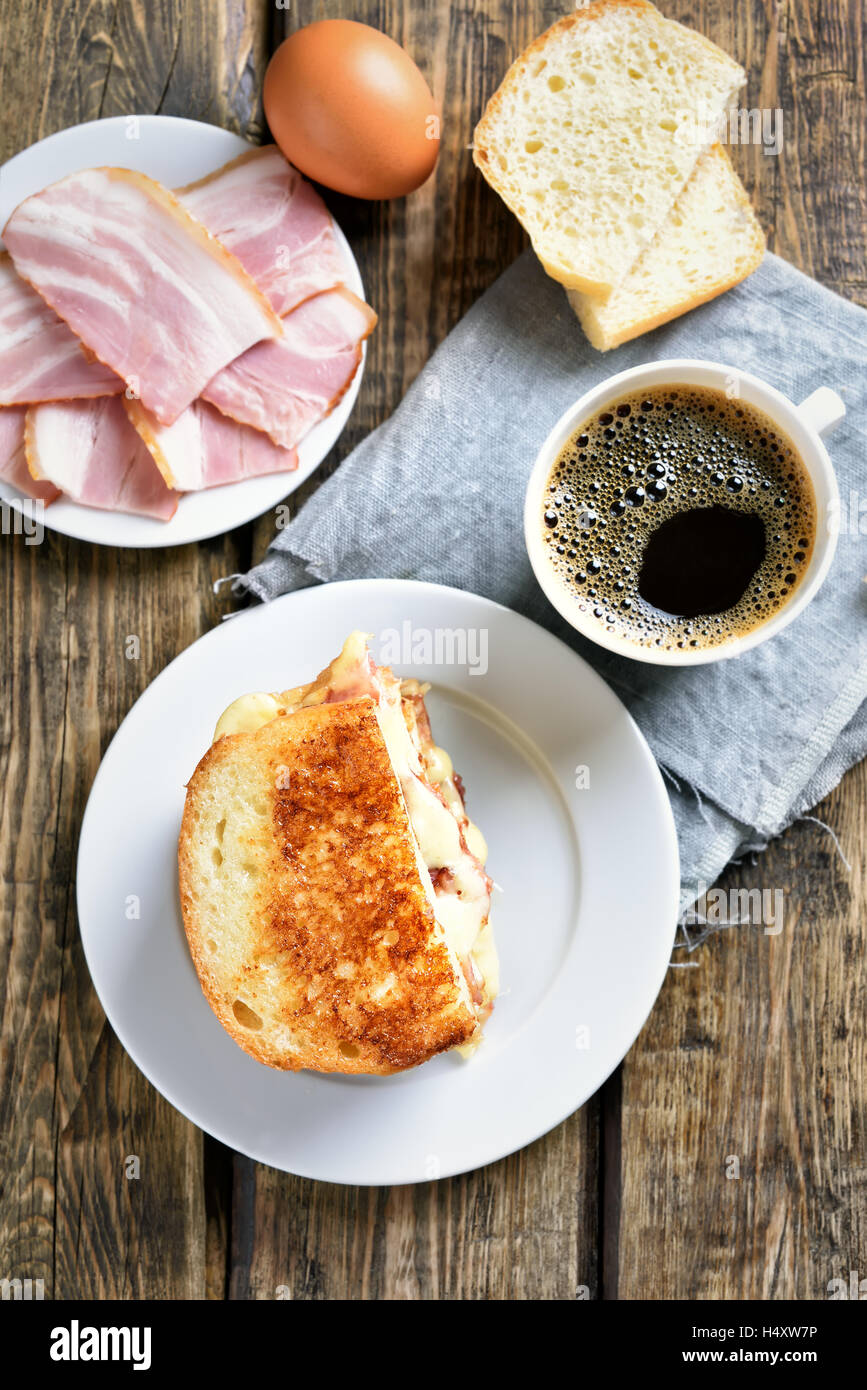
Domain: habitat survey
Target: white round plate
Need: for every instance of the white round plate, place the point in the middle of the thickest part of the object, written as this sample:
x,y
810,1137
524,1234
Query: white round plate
x,y
175,151
584,911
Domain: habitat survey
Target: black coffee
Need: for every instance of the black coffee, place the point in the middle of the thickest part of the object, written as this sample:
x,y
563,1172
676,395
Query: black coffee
x,y
679,518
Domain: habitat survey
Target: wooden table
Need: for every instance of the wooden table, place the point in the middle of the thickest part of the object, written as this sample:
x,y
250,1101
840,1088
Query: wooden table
x,y
758,1052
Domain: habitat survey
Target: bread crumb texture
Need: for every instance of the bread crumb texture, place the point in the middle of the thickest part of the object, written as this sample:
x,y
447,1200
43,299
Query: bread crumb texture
x,y
581,139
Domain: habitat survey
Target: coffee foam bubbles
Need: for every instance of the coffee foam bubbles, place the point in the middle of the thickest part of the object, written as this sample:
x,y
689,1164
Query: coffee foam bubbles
x,y
649,457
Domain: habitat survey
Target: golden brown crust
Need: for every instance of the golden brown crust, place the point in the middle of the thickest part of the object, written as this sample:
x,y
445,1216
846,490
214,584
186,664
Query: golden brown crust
x,y
339,913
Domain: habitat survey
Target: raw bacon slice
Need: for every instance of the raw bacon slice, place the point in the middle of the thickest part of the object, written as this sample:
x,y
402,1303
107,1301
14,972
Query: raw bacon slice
x,y
13,459
274,221
90,451
204,449
40,357
144,285
258,206
284,387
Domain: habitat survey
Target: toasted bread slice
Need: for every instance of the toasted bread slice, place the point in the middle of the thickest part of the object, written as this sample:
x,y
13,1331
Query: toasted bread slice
x,y
306,905
592,134
711,241
451,847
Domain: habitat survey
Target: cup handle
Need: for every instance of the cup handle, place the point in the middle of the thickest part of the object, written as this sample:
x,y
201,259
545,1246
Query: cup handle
x,y
822,410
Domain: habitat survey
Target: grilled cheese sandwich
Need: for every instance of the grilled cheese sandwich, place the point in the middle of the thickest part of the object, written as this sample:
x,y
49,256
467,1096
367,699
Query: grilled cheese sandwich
x,y
449,850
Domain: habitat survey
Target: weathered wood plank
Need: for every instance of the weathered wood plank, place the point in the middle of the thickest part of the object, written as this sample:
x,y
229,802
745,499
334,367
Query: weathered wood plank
x,y
817,182
424,260
757,1055
67,61
744,1156
526,1227
72,1105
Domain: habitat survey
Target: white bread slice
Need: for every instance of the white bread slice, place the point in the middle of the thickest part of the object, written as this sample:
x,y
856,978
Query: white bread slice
x,y
581,138
711,241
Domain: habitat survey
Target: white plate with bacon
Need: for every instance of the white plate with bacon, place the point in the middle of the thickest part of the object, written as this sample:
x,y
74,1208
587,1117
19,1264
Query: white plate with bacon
x,y
182,330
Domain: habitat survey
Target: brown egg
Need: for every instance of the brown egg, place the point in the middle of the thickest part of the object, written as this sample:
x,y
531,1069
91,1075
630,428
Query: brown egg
x,y
350,109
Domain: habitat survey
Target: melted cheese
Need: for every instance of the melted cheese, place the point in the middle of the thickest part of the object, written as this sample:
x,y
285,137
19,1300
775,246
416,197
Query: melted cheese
x,y
486,958
246,715
439,765
462,912
441,773
476,842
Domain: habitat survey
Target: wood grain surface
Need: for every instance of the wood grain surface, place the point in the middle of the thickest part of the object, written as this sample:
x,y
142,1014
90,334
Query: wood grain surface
x,y
755,1051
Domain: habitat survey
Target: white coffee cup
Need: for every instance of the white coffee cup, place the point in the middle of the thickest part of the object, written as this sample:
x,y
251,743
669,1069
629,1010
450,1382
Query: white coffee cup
x,y
802,424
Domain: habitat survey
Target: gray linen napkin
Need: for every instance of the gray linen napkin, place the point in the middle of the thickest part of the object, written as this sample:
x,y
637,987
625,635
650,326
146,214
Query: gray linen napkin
x,y
436,493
